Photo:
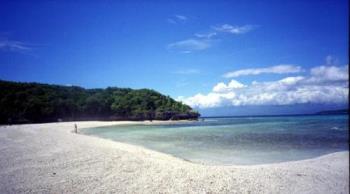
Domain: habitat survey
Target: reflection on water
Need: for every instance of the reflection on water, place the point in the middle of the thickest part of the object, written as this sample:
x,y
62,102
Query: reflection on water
x,y
240,140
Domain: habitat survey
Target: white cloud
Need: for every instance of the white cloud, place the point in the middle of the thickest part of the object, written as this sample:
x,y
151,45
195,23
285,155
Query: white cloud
x,y
204,40
177,19
278,69
331,60
324,84
15,46
222,87
189,45
181,17
208,101
291,80
234,29
326,73
207,35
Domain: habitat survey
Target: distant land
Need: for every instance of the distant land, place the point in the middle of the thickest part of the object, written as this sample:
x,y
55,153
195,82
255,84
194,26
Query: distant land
x,y
330,112
37,103
325,112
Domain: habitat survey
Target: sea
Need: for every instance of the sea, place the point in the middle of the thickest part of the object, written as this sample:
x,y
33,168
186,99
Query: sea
x,y
247,140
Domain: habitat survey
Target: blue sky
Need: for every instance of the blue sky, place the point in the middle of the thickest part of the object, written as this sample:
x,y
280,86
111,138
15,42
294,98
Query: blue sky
x,y
182,48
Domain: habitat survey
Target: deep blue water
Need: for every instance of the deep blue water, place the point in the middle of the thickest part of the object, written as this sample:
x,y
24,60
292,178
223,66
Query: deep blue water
x,y
239,140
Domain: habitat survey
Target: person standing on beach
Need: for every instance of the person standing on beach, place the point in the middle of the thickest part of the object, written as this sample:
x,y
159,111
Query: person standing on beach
x,y
75,128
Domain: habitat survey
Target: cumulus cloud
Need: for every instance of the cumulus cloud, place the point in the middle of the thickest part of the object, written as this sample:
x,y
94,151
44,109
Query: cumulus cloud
x,y
324,84
222,87
329,73
190,45
210,100
278,69
234,29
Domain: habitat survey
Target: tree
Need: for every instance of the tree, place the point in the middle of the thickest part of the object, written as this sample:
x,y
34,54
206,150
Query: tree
x,y
33,102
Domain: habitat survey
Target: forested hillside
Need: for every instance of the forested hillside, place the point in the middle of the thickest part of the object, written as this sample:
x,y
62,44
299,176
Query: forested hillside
x,y
34,103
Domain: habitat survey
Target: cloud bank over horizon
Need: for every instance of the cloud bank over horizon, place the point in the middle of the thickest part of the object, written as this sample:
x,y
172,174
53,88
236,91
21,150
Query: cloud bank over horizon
x,y
326,84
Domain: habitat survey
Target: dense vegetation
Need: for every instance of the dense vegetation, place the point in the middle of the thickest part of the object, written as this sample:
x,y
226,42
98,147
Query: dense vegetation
x,y
33,103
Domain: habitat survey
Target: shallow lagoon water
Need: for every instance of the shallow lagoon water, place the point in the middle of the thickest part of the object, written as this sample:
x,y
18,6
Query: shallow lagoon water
x,y
238,140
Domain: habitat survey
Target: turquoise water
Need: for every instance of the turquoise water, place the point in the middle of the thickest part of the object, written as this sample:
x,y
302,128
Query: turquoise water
x,y
239,140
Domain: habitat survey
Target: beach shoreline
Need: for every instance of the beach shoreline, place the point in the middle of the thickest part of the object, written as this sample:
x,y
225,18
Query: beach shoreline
x,y
50,158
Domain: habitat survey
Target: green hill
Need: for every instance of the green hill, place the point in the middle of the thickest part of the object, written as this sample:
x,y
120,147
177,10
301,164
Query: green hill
x,y
34,103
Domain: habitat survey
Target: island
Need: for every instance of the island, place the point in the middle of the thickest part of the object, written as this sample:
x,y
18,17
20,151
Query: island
x,y
39,103
332,112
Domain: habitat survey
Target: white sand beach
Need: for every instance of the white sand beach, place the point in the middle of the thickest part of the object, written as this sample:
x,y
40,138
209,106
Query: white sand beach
x,y
49,158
